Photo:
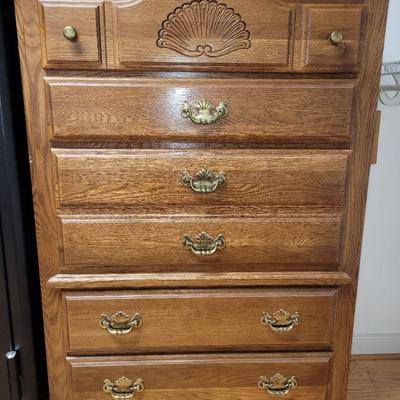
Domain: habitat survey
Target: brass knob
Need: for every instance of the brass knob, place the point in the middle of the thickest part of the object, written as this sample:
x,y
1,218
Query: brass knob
x,y
281,321
120,324
70,33
336,37
123,388
204,244
204,181
277,385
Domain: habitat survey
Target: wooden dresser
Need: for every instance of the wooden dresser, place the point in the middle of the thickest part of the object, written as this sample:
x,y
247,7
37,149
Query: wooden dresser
x,y
199,174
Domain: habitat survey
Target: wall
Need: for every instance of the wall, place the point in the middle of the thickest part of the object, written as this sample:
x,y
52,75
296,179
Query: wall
x,y
377,328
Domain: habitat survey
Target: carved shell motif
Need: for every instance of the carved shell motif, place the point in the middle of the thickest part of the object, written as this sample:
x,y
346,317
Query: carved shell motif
x,y
204,27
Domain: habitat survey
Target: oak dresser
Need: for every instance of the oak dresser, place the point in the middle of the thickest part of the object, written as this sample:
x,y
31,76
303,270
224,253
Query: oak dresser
x,y
199,172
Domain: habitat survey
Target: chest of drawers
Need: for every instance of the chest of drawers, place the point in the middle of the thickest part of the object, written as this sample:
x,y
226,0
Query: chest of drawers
x,y
199,172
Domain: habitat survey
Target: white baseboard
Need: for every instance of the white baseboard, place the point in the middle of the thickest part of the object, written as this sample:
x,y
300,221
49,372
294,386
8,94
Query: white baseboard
x,y
387,343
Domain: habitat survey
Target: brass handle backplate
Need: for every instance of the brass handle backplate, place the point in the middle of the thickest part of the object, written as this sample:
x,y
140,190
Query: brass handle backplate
x,y
203,112
120,324
204,244
204,181
70,33
336,37
123,388
281,321
277,385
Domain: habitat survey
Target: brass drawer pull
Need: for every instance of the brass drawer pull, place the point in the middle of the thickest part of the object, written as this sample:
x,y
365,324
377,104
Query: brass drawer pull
x,y
336,37
204,244
120,324
204,181
203,112
70,33
123,388
277,385
281,321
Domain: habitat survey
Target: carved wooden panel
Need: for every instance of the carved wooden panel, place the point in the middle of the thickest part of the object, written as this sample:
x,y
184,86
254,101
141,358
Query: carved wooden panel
x,y
205,33
267,35
204,27
116,247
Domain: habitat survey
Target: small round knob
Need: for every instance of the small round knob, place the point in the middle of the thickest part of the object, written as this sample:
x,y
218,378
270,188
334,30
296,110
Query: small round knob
x,y
336,37
70,33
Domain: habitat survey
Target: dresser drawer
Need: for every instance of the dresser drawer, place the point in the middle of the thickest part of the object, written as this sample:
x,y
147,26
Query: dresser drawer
x,y
221,181
342,24
72,34
203,35
201,320
236,34
97,244
209,377
154,109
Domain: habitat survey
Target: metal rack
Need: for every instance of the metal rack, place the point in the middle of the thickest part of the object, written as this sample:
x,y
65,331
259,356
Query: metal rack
x,y
390,84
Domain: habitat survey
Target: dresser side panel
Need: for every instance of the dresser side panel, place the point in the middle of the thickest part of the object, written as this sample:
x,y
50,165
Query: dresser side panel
x,y
27,14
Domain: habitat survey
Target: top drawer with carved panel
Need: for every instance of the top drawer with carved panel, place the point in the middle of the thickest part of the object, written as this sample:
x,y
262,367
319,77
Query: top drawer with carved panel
x,y
236,35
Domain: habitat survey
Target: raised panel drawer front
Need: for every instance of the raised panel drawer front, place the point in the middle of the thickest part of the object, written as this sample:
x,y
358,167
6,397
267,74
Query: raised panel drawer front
x,y
317,112
209,377
95,244
199,320
210,35
235,33
186,181
199,178
72,34
343,24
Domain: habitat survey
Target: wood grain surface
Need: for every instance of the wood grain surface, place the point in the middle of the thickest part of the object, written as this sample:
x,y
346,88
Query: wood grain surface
x,y
198,280
148,181
145,109
375,378
229,377
320,20
274,35
133,244
30,48
198,320
100,243
86,19
270,27
367,97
